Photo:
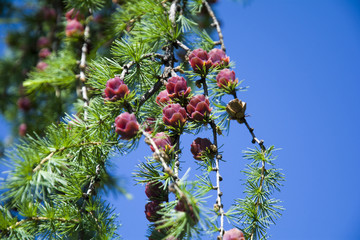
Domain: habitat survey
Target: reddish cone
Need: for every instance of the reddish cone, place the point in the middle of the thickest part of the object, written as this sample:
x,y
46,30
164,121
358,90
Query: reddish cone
x,y
151,209
174,115
200,146
24,104
218,58
162,141
155,191
199,60
177,88
115,89
163,98
199,107
126,125
226,78
234,234
74,28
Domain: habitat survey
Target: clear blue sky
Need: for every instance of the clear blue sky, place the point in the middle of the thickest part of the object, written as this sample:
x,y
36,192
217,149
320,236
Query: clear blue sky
x,y
301,59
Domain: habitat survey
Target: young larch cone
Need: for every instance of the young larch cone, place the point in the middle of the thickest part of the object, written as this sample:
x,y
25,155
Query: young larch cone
x,y
151,209
177,88
43,42
155,191
44,53
226,78
174,115
22,129
199,107
199,61
126,125
24,104
162,141
234,234
163,98
74,14
41,66
74,28
218,58
182,206
115,89
200,146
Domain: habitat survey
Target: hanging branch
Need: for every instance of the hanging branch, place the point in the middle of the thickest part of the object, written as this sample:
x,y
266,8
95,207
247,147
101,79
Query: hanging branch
x,y
82,66
217,168
263,150
160,155
216,24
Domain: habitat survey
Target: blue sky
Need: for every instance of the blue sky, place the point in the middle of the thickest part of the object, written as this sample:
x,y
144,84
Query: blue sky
x,y
301,61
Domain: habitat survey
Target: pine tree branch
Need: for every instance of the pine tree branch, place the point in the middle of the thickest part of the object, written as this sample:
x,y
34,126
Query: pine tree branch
x,y
91,189
51,154
183,46
160,155
42,219
82,66
263,149
177,157
172,13
216,24
217,168
263,169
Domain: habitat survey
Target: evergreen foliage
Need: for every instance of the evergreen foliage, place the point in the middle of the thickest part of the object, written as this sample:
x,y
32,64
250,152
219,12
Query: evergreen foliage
x,y
56,172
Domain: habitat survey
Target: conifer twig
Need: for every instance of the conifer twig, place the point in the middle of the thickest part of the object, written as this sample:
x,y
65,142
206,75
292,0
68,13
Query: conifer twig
x,y
262,177
217,168
186,48
177,149
41,219
82,66
216,24
51,154
165,166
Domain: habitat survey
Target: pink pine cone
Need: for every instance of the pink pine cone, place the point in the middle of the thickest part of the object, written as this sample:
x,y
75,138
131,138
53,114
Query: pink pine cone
x,y
200,146
155,191
43,42
199,60
74,28
151,209
174,115
41,66
182,206
218,57
163,98
162,141
22,129
226,78
177,88
74,14
44,53
115,89
199,107
234,234
48,13
24,104
149,124
126,125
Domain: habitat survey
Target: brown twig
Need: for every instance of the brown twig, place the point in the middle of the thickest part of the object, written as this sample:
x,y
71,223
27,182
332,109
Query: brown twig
x,y
82,66
217,168
216,24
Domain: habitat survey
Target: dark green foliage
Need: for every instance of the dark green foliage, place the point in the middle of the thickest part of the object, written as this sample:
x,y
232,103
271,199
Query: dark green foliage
x,y
57,173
